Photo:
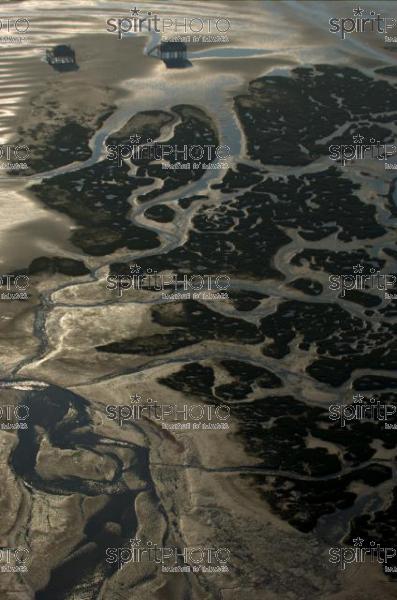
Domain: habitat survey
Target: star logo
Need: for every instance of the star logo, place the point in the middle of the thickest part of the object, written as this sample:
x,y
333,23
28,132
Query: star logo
x,y
134,11
135,268
357,139
357,12
135,398
135,542
358,398
135,138
358,542
358,268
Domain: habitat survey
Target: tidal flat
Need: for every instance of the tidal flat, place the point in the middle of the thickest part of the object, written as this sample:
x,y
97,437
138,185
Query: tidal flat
x,y
282,483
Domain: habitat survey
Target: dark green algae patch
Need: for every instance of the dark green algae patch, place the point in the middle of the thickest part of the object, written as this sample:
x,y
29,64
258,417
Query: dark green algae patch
x,y
311,481
97,197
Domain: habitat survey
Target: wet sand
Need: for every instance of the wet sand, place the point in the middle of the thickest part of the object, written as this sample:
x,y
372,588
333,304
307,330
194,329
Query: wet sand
x,y
85,483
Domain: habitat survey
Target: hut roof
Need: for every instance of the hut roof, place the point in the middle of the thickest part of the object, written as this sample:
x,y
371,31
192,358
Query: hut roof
x,y
63,51
172,46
